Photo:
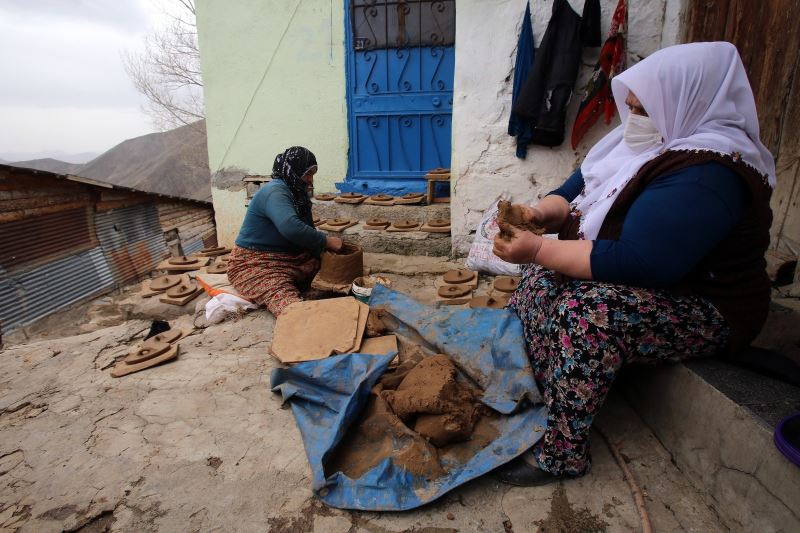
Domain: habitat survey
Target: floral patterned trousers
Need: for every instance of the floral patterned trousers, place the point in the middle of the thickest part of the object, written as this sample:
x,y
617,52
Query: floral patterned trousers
x,y
578,336
271,278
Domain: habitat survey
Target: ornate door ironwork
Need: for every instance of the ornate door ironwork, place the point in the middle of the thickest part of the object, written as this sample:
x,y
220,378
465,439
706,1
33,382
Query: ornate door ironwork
x,y
401,59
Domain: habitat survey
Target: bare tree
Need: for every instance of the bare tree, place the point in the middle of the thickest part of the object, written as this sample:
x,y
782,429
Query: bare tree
x,y
167,70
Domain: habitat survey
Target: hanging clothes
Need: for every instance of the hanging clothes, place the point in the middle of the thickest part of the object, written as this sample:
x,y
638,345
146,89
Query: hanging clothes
x,y
547,90
598,97
518,126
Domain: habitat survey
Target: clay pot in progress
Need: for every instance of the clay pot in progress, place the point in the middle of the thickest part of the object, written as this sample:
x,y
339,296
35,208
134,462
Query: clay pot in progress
x,y
344,266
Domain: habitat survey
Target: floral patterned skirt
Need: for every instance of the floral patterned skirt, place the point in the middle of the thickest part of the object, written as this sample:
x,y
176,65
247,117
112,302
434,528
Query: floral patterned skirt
x,y
272,279
580,333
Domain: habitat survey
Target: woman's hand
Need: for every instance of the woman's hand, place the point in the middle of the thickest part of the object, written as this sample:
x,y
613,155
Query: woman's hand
x,y
534,216
521,248
550,213
334,244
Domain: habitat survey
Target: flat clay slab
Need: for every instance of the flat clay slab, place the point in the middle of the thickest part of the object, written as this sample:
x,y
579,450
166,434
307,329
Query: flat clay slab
x,y
379,345
472,283
123,369
363,314
380,200
456,301
325,197
311,330
491,302
171,336
408,199
199,263
337,229
435,229
181,301
506,283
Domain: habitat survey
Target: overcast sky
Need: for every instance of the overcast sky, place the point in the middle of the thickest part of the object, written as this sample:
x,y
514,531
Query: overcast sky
x,y
62,83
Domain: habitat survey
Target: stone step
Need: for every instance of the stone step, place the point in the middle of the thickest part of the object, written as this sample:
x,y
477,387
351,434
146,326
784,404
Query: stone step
x,y
402,243
717,421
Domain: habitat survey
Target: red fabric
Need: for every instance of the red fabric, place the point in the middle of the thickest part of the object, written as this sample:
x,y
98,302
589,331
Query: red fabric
x,y
271,278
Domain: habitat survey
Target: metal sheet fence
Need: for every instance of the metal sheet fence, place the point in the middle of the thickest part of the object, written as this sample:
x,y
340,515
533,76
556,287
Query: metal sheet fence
x,y
28,296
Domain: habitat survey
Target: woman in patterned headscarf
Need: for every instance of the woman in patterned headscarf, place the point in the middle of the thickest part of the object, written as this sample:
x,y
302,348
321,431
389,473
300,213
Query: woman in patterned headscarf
x,y
660,256
278,248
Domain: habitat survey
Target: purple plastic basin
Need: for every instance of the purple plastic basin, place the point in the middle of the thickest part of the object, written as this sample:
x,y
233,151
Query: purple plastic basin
x,y
787,438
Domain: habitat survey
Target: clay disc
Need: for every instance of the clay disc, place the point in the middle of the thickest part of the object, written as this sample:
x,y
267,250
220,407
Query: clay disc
x,y
153,349
184,289
458,276
405,224
377,222
453,291
381,197
413,195
338,221
351,195
182,260
506,283
325,197
488,301
439,170
439,223
163,283
169,336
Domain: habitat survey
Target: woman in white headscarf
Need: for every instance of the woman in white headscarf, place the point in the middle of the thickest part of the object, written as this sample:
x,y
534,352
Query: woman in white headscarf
x,y
660,257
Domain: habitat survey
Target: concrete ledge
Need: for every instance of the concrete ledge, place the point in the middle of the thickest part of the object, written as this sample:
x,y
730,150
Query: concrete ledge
x,y
724,448
362,212
400,243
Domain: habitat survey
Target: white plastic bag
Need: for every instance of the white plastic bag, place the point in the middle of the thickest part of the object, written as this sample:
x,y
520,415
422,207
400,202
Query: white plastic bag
x,y
480,256
222,304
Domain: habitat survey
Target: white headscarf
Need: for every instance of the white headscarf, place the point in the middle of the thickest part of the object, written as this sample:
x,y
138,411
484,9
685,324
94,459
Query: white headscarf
x,y
698,98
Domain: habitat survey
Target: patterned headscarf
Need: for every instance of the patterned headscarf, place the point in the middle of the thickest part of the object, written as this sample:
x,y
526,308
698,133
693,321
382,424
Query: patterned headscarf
x,y
290,167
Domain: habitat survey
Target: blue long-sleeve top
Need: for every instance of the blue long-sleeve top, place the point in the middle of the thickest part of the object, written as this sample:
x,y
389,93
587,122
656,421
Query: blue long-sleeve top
x,y
673,224
271,223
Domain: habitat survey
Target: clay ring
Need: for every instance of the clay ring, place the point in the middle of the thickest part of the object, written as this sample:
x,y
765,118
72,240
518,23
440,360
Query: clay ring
x,y
506,283
377,222
458,276
351,195
182,260
439,223
453,291
144,353
163,283
184,289
382,198
405,224
326,197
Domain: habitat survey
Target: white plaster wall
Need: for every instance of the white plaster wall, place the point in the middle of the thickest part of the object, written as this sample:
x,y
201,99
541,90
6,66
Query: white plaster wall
x,y
484,167
229,213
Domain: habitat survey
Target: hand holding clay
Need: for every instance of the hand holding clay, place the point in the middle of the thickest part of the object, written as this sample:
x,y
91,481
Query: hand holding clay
x,y
515,245
334,244
519,216
533,216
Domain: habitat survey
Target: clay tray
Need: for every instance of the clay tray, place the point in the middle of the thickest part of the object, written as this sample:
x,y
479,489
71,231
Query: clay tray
x,y
437,225
122,368
380,199
183,297
467,291
325,197
350,198
170,267
338,228
174,279
214,252
410,199
414,227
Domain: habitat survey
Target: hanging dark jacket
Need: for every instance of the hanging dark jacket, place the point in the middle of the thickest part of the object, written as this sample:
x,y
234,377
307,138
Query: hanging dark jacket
x,y
547,91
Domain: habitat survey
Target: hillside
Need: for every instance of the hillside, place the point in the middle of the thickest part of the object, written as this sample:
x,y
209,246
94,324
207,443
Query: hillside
x,y
173,162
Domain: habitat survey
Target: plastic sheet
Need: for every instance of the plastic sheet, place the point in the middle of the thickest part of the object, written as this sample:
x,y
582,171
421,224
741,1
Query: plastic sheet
x,y
327,397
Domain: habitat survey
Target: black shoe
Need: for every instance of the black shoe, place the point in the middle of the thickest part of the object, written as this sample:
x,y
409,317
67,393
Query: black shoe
x,y
520,473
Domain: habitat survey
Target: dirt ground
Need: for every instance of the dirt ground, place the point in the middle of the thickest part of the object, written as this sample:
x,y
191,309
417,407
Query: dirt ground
x,y
202,444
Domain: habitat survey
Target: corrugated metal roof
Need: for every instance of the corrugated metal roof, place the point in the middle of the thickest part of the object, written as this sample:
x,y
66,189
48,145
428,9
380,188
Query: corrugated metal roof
x,y
132,240
27,296
52,235
94,183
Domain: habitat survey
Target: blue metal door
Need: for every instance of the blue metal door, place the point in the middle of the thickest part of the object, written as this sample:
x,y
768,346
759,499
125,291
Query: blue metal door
x,y
400,63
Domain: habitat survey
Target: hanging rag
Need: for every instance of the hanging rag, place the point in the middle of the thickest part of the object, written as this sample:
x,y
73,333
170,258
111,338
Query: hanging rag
x,y
598,97
518,126
547,90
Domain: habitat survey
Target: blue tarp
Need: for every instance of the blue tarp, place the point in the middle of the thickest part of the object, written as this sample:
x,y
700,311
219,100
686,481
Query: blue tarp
x,y
328,395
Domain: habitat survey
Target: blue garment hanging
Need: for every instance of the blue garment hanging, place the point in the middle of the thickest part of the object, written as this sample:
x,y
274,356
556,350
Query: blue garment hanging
x,y
518,126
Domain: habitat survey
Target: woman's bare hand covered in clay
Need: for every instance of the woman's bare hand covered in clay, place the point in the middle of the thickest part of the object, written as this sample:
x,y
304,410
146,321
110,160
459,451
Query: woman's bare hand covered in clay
x,y
334,244
521,248
531,215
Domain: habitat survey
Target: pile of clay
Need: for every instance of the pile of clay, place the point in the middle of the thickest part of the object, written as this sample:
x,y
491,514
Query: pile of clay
x,y
509,214
423,416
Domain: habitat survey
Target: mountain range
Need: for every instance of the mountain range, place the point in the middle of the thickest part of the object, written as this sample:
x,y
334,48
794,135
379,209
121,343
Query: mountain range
x,y
173,162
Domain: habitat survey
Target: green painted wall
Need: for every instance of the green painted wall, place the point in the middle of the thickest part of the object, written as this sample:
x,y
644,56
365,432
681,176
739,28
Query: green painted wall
x,y
274,77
